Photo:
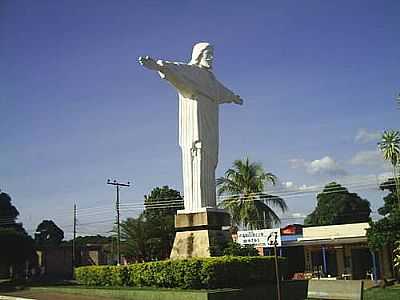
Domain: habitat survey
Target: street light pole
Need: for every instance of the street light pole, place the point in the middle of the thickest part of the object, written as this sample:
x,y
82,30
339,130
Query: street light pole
x,y
118,184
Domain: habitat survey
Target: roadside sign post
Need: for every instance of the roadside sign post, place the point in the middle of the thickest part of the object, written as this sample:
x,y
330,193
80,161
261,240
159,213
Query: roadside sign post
x,y
273,241
270,238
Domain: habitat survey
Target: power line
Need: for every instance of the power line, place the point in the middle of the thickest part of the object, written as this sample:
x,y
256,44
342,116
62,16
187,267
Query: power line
x,y
167,203
356,185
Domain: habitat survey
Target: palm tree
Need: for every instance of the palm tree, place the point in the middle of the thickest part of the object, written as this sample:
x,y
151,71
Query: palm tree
x,y
390,147
135,236
244,185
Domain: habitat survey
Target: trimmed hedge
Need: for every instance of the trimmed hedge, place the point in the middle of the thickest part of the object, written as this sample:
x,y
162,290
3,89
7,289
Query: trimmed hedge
x,y
196,273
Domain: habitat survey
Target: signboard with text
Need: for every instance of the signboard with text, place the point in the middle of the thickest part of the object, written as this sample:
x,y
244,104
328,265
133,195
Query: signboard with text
x,y
261,237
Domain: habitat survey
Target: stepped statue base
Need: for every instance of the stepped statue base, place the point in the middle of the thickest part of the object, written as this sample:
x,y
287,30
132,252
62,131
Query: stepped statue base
x,y
200,234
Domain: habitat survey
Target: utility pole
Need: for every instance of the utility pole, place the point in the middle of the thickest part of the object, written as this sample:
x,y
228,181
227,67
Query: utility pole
x,y
73,243
118,184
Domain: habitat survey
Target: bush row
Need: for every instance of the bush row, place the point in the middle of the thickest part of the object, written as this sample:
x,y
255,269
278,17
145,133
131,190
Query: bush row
x,y
196,273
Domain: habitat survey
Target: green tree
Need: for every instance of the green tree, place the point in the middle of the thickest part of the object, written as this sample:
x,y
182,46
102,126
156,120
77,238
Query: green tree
x,y
337,206
390,147
235,249
48,234
390,200
386,231
396,256
136,239
9,214
150,236
91,239
17,246
244,186
161,206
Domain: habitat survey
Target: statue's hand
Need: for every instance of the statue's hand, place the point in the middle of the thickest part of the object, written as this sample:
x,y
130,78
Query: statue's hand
x,y
149,63
238,100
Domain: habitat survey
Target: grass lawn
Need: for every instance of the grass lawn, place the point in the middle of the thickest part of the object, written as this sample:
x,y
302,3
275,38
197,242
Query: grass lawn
x,y
81,292
389,293
87,293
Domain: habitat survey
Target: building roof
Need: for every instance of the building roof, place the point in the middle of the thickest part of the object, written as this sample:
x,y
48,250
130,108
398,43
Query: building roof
x,y
334,234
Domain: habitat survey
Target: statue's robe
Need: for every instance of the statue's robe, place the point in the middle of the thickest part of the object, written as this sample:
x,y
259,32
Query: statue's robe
x,y
200,94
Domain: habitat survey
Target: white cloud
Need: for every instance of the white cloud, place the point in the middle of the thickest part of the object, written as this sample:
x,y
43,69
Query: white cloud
x,y
288,184
372,158
363,136
324,166
283,186
305,187
297,163
298,215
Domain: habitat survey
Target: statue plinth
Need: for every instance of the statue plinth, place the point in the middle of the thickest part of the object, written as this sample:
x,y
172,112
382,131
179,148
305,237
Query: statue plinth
x,y
200,234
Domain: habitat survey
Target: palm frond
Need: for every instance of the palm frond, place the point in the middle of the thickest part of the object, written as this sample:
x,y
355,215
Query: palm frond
x,y
274,201
269,214
245,180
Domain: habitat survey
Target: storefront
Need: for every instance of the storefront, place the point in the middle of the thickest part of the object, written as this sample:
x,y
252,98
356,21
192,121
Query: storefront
x,y
335,252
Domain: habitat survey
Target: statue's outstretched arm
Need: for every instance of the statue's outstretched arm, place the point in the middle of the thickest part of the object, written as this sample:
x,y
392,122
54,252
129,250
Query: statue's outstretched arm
x,y
172,72
227,96
238,100
149,63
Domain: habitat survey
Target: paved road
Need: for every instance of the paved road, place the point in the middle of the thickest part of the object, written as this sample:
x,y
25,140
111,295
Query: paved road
x,y
38,295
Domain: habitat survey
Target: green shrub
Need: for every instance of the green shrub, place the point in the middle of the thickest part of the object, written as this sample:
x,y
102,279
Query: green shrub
x,y
102,275
236,249
196,273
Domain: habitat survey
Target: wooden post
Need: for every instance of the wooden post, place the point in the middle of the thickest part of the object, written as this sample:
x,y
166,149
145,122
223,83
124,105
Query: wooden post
x,y
278,288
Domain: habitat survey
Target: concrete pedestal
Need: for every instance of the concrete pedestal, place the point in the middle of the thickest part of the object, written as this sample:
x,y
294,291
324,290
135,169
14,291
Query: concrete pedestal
x,y
200,234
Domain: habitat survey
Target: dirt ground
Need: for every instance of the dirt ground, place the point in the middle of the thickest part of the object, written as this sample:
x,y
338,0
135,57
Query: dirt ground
x,y
38,295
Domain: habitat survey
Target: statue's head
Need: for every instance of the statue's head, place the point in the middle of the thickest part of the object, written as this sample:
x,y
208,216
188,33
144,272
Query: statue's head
x,y
202,55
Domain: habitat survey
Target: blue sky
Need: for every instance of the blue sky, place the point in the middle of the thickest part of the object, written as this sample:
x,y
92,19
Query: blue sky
x,y
318,79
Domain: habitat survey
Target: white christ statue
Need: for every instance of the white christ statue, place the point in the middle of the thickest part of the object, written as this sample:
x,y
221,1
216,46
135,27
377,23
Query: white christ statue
x,y
200,94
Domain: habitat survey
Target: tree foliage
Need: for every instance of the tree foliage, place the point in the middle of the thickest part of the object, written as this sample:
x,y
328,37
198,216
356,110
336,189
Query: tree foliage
x,y
396,255
150,236
136,238
8,212
386,231
91,239
390,147
235,249
48,234
16,245
390,200
244,186
336,205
